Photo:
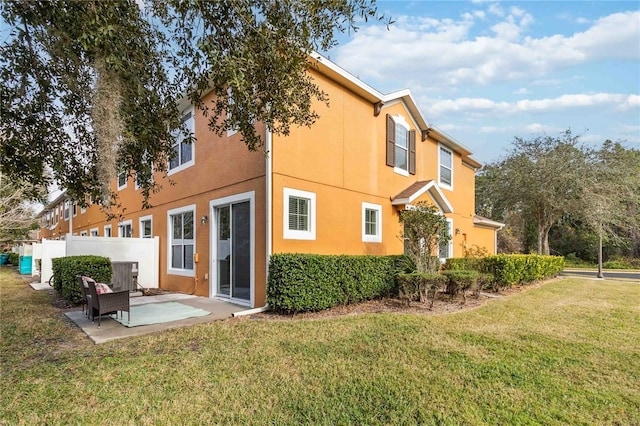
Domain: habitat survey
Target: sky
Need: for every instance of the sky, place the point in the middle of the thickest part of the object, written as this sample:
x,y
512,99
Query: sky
x,y
486,72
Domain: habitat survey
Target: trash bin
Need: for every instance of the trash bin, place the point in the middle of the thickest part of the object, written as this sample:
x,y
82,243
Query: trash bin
x,y
3,258
25,265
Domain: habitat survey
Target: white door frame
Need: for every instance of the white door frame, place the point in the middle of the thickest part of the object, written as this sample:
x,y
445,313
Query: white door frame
x,y
213,244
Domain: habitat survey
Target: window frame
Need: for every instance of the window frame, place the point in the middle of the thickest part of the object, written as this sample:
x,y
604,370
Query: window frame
x,y
189,118
148,218
294,234
369,238
65,209
170,241
123,224
442,184
122,173
401,124
110,229
92,230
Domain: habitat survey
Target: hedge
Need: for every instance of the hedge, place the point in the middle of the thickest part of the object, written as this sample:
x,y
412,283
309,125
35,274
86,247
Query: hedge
x,y
308,282
511,269
66,269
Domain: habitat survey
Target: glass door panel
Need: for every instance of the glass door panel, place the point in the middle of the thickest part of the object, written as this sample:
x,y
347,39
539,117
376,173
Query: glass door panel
x,y
224,250
241,250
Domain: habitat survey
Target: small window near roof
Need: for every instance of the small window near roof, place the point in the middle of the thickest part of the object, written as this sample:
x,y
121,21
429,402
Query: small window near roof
x,y
446,168
182,148
401,146
122,179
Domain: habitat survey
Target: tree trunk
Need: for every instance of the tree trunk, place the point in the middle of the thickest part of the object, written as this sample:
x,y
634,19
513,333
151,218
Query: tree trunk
x,y
543,238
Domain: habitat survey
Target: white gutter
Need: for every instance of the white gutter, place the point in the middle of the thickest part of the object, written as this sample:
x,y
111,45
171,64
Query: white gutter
x,y
269,205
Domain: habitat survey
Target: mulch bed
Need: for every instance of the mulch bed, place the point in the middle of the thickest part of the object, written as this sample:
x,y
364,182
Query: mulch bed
x,y
442,305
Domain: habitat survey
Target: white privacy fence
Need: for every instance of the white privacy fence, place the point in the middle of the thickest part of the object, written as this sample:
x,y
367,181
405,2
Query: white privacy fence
x,y
145,251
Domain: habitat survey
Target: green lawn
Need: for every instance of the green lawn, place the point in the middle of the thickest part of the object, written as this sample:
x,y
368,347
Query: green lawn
x,y
564,353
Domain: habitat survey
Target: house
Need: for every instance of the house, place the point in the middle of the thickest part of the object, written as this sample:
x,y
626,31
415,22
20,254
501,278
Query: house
x,y
334,188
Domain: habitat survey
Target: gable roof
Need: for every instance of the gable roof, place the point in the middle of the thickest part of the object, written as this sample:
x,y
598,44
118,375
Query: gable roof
x,y
362,89
420,187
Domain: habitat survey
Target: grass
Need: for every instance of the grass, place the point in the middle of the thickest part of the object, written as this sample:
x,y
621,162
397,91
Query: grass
x,y
564,353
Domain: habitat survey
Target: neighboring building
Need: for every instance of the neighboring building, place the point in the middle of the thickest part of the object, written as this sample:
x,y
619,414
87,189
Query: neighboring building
x,y
334,188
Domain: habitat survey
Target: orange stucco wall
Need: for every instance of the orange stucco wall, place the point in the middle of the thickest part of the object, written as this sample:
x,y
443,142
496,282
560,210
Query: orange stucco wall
x,y
342,159
223,167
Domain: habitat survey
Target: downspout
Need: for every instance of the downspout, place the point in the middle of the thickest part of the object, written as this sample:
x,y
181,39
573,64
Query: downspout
x,y
268,217
269,181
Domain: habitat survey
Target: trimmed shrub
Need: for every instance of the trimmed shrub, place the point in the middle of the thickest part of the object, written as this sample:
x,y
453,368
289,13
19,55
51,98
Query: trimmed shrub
x,y
461,281
509,269
14,259
66,269
512,269
308,282
422,287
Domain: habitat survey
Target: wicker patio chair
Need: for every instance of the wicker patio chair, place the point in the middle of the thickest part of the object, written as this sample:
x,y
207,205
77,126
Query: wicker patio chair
x,y
107,303
84,288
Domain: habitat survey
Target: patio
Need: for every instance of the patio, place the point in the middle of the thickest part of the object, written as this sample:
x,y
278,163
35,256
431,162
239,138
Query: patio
x,y
111,329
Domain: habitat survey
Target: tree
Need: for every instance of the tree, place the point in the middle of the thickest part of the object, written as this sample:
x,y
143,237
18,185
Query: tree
x,y
610,202
540,179
91,87
425,229
16,213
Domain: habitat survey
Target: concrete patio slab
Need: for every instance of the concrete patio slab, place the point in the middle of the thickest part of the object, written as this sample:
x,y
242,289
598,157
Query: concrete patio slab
x,y
111,330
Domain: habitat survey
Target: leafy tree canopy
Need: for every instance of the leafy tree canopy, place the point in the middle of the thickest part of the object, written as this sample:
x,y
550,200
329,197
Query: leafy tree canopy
x,y
544,180
92,87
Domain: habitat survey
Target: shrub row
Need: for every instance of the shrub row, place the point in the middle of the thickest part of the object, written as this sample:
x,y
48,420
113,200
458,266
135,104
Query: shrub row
x,y
66,269
420,287
511,269
308,282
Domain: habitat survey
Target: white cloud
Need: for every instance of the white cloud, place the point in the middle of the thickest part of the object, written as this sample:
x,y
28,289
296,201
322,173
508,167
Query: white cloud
x,y
442,52
582,21
522,91
496,9
541,128
488,106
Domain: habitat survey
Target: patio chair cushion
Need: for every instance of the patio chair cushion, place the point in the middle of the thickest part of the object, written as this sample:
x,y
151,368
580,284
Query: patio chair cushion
x,y
85,280
102,288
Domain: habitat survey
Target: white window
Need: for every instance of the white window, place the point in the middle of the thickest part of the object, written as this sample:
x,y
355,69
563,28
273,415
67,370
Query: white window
x,y
445,173
122,180
402,146
107,230
93,232
183,151
445,251
83,209
181,237
371,223
66,210
75,209
140,182
146,227
299,214
125,229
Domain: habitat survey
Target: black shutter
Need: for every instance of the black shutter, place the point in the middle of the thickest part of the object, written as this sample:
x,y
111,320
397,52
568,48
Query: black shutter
x,y
391,141
412,152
